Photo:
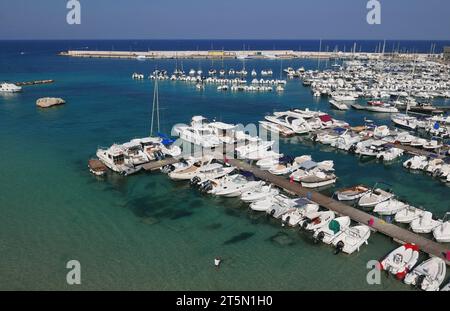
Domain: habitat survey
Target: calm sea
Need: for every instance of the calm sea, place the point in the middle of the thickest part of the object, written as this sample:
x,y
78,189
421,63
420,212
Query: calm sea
x,y
145,231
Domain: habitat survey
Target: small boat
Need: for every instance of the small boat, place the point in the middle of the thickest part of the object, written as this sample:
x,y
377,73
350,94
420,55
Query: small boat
x,y
425,223
318,179
328,233
408,214
381,131
401,260
186,173
432,145
389,207
378,106
267,163
353,193
97,167
374,197
277,128
416,163
209,172
429,275
288,164
338,105
268,203
405,121
9,88
418,142
236,186
303,208
351,239
390,154
259,193
442,232
317,220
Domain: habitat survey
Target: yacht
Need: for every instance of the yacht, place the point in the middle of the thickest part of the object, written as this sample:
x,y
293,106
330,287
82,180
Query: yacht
x,y
9,88
116,159
296,124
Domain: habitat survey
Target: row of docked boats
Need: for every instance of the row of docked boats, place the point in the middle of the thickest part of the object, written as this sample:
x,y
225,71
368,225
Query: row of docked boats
x,y
220,179
384,203
381,79
428,275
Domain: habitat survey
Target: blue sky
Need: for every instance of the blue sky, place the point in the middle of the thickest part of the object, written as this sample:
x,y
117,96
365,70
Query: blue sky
x,y
225,19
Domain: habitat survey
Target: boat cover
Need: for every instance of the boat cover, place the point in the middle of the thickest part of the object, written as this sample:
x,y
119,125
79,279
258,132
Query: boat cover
x,y
334,226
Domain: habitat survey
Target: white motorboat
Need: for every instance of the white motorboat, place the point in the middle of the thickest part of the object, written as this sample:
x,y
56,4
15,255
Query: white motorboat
x,y
210,172
317,220
259,193
377,106
374,197
265,205
404,138
432,145
351,239
429,275
381,131
267,163
328,233
236,187
390,154
408,214
416,163
295,123
303,208
353,193
389,207
308,168
338,105
425,223
278,209
344,97
405,121
9,88
418,142
286,165
186,173
318,179
401,260
442,232
277,128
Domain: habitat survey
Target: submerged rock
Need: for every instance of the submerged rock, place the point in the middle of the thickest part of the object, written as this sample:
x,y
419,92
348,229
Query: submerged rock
x,y
47,102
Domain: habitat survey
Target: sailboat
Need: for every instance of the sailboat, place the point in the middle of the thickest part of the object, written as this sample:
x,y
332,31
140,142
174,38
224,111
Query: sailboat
x,y
164,144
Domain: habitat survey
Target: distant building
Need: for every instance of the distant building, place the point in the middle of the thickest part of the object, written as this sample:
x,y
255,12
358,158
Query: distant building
x,y
447,53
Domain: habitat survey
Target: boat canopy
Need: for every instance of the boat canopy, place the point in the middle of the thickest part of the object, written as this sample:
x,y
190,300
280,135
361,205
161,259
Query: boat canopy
x,y
325,118
339,130
307,165
334,226
302,201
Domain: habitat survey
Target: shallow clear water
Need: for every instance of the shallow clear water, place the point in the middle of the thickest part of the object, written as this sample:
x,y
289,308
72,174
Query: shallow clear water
x,y
146,231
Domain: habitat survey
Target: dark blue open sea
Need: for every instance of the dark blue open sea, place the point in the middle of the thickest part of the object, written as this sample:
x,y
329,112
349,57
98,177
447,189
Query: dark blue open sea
x,y
145,231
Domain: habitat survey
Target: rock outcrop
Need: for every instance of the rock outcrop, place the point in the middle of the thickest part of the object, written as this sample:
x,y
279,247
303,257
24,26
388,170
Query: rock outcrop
x,y
47,102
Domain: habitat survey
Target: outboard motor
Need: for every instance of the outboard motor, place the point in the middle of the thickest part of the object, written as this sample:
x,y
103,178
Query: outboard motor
x,y
381,158
319,237
272,212
339,247
352,148
314,138
286,221
408,165
207,186
194,181
419,281
305,224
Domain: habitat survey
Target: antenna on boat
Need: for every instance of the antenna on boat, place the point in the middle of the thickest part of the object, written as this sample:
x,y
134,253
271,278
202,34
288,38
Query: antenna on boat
x,y
155,107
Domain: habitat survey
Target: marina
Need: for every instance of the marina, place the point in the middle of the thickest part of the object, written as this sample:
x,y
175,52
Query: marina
x,y
243,226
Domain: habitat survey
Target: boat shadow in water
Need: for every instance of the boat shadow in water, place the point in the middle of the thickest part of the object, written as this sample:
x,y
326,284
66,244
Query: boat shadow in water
x,y
282,239
239,238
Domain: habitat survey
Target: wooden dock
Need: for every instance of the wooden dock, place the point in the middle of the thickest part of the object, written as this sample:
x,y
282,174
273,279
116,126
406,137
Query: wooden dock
x,y
391,230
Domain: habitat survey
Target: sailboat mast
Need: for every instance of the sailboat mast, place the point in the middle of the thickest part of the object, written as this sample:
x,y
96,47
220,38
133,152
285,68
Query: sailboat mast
x,y
155,107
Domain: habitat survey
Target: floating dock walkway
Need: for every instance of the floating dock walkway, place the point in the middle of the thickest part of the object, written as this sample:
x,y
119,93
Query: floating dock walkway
x,y
395,232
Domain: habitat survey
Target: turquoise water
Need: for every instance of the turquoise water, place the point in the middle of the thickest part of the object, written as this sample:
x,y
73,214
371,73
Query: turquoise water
x,y
146,231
